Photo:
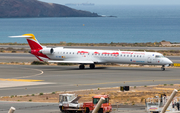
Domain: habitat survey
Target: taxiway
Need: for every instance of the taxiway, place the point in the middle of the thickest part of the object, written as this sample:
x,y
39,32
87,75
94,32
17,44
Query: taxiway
x,y
24,79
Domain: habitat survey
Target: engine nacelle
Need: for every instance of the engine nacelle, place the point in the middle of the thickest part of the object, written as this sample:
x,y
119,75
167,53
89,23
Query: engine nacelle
x,y
47,51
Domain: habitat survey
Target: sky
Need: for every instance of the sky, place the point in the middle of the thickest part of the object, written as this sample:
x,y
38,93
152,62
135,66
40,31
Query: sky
x,y
118,2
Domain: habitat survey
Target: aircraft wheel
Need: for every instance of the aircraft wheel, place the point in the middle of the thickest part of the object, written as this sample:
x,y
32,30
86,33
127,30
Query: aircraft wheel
x,y
81,66
92,66
162,68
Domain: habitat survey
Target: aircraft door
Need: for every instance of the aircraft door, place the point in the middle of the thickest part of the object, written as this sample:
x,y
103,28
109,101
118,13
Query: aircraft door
x,y
149,60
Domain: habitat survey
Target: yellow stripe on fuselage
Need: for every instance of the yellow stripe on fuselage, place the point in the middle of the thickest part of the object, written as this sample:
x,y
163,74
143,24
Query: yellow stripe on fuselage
x,y
32,36
20,80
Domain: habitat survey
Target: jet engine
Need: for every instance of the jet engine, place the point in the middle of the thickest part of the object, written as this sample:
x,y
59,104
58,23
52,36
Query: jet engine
x,y
47,51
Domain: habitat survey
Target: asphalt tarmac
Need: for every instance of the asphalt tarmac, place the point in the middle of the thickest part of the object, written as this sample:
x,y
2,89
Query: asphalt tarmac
x,y
35,107
24,79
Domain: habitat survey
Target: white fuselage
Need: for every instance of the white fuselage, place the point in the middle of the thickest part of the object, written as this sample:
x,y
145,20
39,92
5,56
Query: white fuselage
x,y
108,56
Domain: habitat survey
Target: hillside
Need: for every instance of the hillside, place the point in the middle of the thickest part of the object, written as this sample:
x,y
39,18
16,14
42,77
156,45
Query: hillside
x,y
35,8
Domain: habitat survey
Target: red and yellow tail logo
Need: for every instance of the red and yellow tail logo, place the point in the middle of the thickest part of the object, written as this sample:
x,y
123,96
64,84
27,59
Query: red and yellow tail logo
x,y
33,43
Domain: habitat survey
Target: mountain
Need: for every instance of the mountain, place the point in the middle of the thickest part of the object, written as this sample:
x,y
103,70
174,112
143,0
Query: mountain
x,y
35,8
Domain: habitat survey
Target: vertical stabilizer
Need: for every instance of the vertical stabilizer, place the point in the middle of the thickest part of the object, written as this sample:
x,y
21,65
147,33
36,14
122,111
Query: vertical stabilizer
x,y
33,43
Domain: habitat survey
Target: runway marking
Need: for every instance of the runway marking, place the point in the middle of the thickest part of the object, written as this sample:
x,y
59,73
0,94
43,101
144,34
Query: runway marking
x,y
20,80
127,82
32,75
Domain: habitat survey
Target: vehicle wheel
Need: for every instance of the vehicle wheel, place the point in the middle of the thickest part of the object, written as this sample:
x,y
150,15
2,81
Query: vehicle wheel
x,y
100,110
87,110
92,66
60,107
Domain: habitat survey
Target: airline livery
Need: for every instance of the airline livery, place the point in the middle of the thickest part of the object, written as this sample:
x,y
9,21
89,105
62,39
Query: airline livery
x,y
91,57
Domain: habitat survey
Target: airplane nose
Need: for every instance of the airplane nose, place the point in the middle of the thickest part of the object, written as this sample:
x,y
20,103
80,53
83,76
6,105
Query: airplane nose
x,y
169,61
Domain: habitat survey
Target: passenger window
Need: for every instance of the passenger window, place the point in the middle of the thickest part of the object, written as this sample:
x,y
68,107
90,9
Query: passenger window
x,y
131,55
63,52
66,52
127,55
69,52
137,55
134,55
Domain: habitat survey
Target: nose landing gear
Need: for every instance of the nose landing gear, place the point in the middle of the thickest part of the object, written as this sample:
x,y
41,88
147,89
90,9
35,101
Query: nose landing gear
x,y
162,68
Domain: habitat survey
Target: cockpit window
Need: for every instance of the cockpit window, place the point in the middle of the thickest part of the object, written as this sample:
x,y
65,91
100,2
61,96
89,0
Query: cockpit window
x,y
159,56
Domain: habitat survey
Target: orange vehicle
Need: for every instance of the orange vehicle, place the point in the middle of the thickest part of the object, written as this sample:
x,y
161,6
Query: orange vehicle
x,y
105,107
68,103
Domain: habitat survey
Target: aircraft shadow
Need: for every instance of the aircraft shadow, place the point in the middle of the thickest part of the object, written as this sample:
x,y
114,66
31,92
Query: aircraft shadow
x,y
65,68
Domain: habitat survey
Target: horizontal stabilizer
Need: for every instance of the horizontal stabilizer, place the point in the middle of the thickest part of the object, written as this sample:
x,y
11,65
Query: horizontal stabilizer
x,y
21,36
78,62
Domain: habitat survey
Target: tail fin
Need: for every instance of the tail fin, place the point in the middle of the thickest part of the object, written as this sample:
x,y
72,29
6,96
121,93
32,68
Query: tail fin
x,y
33,43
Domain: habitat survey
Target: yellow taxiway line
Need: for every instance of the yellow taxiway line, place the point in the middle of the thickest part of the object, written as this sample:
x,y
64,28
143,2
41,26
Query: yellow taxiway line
x,y
20,80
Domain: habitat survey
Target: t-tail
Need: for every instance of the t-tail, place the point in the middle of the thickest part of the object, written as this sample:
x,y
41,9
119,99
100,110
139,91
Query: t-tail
x,y
36,47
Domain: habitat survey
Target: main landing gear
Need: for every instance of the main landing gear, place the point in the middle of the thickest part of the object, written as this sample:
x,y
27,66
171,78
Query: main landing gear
x,y
91,66
162,68
81,66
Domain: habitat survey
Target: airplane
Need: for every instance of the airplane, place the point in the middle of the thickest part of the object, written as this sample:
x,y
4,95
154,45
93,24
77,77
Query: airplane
x,y
91,57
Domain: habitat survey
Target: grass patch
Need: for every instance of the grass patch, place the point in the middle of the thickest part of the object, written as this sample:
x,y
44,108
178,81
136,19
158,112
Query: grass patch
x,y
39,63
40,93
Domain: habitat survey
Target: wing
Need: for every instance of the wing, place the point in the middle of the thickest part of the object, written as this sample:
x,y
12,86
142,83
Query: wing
x,y
78,62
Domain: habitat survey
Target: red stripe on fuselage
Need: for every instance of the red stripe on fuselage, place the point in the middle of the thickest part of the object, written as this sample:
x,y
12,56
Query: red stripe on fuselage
x,y
83,52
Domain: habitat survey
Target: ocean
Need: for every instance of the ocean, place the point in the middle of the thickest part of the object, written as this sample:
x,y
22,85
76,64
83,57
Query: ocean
x,y
132,24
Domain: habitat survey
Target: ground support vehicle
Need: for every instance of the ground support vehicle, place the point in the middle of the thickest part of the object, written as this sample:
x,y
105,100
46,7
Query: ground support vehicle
x,y
155,105
69,103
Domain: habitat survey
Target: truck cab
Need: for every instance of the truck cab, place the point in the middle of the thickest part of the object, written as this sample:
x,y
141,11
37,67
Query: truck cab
x,y
105,107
